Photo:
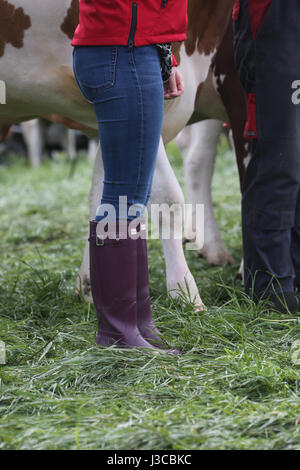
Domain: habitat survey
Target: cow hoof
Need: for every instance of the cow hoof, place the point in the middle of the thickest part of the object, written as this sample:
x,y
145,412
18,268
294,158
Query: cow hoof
x,y
185,289
240,273
216,258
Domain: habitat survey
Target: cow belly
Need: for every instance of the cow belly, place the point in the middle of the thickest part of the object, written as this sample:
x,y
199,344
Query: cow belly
x,y
208,103
178,111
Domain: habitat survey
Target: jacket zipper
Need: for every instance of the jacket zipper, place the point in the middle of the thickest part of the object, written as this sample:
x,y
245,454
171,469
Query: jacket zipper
x,y
133,25
163,3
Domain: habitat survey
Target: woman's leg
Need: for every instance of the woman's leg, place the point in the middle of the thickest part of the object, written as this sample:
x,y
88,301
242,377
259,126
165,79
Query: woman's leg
x,y
125,86
126,89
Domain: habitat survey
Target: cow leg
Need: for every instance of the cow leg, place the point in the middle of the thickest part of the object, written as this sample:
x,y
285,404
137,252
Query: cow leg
x,y
199,154
92,150
240,274
70,144
32,136
83,280
166,190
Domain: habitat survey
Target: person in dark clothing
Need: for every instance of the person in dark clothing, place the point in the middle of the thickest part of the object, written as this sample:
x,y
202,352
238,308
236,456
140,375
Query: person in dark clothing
x,y
267,56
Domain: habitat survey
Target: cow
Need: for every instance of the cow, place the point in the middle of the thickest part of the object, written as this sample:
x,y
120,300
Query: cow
x,y
212,85
35,134
198,145
36,65
214,90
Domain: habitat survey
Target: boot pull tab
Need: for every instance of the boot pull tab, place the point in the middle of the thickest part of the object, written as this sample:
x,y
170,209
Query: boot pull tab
x,y
99,241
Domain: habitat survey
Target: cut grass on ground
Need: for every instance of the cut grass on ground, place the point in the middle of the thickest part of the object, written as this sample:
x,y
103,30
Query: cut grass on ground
x,y
234,387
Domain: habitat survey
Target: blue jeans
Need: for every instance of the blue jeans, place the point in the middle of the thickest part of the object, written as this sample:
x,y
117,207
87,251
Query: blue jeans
x,y
126,89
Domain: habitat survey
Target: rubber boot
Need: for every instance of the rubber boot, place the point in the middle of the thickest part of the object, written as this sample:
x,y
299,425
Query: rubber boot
x,y
113,273
144,317
145,321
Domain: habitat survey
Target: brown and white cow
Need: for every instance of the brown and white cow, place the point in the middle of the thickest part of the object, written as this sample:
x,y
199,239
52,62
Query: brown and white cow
x,y
36,65
198,145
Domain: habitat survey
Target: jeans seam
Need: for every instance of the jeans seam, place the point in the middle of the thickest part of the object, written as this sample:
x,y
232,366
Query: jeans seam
x,y
114,64
141,110
76,79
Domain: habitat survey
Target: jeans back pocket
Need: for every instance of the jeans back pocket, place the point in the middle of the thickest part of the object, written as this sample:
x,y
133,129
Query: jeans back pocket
x,y
94,69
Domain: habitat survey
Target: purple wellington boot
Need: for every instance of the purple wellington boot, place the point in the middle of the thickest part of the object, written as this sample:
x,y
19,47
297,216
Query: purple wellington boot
x,y
145,321
113,271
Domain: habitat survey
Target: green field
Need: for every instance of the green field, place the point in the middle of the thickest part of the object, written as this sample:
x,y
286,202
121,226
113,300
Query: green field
x,y
235,386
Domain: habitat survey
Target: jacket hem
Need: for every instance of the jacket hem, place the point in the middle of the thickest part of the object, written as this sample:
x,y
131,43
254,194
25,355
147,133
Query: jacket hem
x,y
139,41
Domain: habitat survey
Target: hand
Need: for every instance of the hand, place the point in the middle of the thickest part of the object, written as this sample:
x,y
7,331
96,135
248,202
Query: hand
x,y
174,87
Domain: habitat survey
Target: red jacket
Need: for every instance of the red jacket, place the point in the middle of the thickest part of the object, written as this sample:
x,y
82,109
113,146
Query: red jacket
x,y
130,22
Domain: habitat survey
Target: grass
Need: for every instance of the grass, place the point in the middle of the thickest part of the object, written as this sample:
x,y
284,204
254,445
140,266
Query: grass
x,y
234,387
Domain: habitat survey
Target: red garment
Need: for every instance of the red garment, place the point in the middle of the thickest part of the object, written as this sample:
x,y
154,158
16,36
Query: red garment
x,y
117,22
236,10
258,10
250,131
174,61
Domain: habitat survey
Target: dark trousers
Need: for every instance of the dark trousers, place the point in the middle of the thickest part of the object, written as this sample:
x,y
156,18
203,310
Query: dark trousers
x,y
267,55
